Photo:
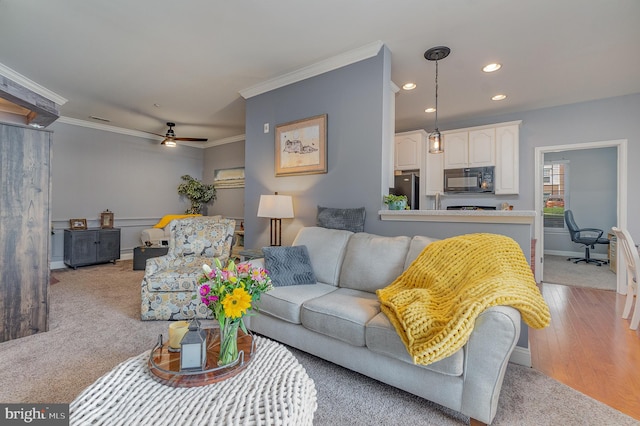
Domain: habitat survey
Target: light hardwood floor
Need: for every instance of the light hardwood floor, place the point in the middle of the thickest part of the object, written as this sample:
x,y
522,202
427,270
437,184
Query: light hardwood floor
x,y
589,347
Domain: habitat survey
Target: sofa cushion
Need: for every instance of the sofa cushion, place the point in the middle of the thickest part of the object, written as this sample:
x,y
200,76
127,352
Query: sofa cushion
x,y
382,338
326,249
288,265
285,302
345,219
372,262
341,314
418,243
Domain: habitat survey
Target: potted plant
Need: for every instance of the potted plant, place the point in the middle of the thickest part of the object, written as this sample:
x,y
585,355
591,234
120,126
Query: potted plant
x,y
395,202
197,192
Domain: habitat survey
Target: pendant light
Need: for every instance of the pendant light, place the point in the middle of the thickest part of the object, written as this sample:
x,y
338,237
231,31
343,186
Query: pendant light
x,y
435,138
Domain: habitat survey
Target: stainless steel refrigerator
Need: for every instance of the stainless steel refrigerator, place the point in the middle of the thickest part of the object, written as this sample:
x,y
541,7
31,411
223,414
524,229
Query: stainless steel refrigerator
x,y
408,184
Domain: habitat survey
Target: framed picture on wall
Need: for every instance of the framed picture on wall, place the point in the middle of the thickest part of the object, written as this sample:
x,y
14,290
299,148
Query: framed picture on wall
x,y
106,219
78,223
301,147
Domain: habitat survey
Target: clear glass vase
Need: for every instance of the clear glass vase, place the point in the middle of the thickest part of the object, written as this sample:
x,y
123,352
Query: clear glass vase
x,y
228,341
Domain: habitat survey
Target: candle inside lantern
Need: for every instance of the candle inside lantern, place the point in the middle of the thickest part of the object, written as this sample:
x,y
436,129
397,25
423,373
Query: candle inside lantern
x,y
177,330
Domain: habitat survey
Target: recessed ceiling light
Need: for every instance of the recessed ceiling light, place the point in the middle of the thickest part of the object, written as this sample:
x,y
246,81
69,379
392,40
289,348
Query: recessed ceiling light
x,y
430,110
409,86
498,97
491,67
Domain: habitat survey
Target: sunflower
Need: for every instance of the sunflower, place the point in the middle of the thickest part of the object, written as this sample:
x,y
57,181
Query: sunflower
x,y
236,304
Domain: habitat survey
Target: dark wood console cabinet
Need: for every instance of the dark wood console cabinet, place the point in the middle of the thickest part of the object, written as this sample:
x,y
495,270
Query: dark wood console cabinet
x,y
90,246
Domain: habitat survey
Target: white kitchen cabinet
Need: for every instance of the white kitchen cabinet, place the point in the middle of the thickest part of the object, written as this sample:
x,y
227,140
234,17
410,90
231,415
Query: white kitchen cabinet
x,y
409,147
482,151
456,150
433,173
469,148
507,180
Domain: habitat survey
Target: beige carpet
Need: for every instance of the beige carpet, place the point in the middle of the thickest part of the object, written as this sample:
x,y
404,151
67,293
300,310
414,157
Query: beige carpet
x,y
557,270
94,315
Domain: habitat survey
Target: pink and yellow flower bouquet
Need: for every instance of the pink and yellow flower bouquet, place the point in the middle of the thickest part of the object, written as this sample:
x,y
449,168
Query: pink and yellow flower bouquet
x,y
231,293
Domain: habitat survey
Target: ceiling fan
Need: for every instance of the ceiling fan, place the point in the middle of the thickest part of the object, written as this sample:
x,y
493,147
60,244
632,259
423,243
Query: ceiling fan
x,y
170,137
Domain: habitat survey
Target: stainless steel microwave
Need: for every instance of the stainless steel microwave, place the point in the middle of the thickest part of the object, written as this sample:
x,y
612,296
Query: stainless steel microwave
x,y
469,180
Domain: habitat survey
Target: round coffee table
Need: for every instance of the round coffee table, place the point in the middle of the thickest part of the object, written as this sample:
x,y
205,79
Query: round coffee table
x,y
273,389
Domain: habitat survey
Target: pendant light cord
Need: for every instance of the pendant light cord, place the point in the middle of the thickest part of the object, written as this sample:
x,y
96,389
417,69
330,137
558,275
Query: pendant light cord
x,y
436,95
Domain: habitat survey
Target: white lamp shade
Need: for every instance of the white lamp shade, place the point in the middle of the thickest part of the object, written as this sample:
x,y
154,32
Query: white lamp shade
x,y
275,206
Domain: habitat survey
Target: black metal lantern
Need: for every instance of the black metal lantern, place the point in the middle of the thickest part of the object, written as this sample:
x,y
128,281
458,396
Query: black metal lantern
x,y
193,348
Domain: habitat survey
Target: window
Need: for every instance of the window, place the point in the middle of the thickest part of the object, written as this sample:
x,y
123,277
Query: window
x,y
555,193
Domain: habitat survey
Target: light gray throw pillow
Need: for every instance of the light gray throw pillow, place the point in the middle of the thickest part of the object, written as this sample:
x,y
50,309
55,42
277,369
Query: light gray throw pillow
x,y
288,265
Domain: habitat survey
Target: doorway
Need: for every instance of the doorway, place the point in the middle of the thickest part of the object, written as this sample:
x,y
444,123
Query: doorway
x,y
621,196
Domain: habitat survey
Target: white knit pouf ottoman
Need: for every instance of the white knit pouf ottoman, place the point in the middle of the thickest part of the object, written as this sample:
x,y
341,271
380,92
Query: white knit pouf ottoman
x,y
274,389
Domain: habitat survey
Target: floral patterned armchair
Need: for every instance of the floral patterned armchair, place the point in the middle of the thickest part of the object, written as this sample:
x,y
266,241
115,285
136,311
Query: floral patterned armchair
x,y
171,281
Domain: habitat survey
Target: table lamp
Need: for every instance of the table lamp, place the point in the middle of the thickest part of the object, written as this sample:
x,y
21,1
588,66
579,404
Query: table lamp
x,y
276,207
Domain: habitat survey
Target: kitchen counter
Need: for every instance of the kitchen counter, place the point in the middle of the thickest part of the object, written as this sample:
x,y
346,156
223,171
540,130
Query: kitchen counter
x,y
467,216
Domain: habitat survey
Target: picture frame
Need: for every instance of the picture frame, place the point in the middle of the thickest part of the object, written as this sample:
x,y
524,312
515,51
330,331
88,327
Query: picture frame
x,y
106,219
301,147
78,223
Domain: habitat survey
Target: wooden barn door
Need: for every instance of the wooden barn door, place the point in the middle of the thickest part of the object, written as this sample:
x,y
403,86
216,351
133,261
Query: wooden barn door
x,y
25,158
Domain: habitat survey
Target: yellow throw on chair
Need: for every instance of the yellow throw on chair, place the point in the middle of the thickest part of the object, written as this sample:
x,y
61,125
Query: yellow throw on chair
x,y
433,305
166,219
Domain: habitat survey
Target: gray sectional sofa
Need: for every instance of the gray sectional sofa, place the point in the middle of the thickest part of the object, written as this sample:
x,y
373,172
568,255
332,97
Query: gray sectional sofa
x,y
339,319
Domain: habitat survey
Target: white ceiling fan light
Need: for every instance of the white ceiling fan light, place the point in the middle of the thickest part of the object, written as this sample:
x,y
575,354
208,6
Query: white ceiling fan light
x,y
170,137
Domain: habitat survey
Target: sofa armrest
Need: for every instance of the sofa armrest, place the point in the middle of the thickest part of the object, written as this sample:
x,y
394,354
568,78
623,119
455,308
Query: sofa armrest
x,y
490,345
258,262
155,264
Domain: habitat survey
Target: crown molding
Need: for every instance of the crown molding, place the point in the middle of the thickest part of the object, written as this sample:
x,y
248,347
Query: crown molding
x,y
144,135
108,128
330,64
31,85
225,141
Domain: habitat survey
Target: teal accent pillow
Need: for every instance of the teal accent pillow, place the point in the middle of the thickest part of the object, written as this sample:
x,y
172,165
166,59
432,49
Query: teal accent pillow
x,y
288,265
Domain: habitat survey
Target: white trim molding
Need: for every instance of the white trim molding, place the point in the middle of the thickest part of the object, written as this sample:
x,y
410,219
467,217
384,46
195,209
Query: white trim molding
x,y
144,135
330,64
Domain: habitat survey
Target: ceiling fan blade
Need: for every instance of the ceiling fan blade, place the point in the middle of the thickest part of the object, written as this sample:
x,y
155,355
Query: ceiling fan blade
x,y
192,139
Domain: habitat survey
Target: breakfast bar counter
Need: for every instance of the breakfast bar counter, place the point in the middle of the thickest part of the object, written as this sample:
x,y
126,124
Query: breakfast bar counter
x,y
467,216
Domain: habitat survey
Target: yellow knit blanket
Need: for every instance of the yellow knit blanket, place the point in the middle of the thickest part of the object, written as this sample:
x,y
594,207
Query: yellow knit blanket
x,y
169,217
433,305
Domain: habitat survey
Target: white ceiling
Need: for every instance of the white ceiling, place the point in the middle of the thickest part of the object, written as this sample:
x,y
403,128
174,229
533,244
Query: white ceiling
x,y
117,58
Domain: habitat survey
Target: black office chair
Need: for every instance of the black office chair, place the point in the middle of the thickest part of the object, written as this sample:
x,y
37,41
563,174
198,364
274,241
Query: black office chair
x,y
589,237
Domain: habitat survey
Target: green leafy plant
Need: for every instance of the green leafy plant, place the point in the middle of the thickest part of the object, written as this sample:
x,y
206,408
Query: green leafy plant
x,y
197,192
391,198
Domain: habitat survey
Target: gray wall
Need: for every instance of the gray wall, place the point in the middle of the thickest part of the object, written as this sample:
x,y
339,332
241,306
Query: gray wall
x,y
93,170
229,201
592,183
352,97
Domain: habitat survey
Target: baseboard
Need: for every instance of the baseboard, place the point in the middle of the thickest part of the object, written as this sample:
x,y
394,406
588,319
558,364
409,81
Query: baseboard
x,y
59,264
521,356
